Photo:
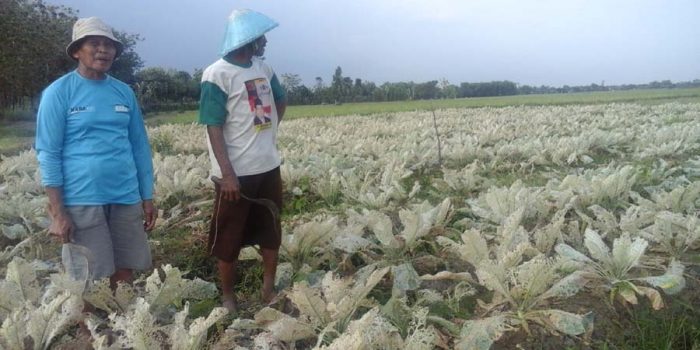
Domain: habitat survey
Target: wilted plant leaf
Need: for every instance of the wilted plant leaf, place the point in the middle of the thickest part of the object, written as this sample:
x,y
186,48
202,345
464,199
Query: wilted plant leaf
x,y
596,247
567,286
568,252
138,328
447,275
482,333
568,323
182,337
283,326
405,277
672,281
657,302
310,303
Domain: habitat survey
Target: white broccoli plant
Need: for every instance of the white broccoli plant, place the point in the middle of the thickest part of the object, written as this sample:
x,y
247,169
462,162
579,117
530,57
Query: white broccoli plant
x,y
32,316
522,295
309,244
325,312
138,329
398,250
613,270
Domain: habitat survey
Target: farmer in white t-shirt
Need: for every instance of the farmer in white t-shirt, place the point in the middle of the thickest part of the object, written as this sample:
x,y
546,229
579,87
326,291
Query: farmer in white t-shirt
x,y
235,90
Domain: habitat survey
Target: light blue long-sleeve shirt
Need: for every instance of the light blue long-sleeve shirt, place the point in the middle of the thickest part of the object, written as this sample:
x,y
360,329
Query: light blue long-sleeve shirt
x,y
92,142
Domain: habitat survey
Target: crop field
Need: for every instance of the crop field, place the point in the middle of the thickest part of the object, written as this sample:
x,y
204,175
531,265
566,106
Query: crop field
x,y
646,97
555,226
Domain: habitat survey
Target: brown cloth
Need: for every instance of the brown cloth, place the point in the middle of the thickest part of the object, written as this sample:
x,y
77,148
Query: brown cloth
x,y
235,225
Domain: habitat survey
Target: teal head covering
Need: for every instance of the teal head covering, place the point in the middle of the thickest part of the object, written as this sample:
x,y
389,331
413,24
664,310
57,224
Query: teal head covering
x,y
243,27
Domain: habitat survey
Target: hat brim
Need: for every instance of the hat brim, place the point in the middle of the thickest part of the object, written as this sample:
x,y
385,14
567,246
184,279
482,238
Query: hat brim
x,y
243,27
75,45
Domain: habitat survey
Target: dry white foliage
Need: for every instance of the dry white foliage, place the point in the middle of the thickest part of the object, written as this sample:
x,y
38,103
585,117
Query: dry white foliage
x,y
101,296
325,311
371,331
526,289
398,249
138,327
37,326
171,138
673,233
180,176
462,180
498,203
599,186
161,293
309,243
31,316
614,268
602,167
194,336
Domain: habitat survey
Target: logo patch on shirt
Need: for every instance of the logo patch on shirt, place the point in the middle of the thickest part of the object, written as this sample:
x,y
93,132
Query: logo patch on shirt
x,y
80,109
121,109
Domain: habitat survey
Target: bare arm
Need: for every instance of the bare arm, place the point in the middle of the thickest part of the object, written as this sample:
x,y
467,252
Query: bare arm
x,y
229,182
281,108
61,223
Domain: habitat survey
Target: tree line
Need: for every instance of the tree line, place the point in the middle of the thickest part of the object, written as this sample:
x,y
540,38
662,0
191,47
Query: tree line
x,y
346,89
32,49
32,55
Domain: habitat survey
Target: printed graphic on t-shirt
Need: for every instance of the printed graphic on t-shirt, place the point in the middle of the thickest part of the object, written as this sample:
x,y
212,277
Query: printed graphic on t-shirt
x,y
121,109
81,109
259,98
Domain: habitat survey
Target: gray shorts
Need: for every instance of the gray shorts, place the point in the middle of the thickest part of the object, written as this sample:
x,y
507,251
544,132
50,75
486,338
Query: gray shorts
x,y
114,234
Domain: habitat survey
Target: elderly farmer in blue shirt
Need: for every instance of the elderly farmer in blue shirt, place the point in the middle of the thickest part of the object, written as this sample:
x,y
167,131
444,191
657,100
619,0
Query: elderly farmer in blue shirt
x,y
95,159
242,103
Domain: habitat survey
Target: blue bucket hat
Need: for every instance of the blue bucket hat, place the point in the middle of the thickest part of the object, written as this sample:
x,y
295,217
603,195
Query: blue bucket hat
x,y
243,27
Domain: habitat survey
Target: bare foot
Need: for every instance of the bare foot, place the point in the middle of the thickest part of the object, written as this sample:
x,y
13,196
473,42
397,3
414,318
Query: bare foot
x,y
269,298
229,302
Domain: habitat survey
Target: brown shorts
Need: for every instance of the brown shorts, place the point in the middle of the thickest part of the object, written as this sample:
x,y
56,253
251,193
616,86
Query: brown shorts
x,y
235,225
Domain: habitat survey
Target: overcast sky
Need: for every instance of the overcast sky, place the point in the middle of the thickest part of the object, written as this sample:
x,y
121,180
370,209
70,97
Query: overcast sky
x,y
550,42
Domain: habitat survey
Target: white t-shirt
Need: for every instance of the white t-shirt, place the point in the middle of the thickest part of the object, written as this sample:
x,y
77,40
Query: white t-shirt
x,y
240,99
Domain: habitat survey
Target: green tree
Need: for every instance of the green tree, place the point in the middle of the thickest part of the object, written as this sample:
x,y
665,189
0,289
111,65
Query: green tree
x,y
341,87
300,95
346,89
290,81
296,92
161,89
426,91
32,49
398,91
321,93
152,87
196,81
129,62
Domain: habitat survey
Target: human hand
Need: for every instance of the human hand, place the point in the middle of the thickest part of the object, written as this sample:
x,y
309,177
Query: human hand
x,y
229,186
61,226
150,214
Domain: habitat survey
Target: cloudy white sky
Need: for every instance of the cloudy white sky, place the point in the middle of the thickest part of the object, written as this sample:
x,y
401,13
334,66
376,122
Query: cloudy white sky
x,y
550,42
